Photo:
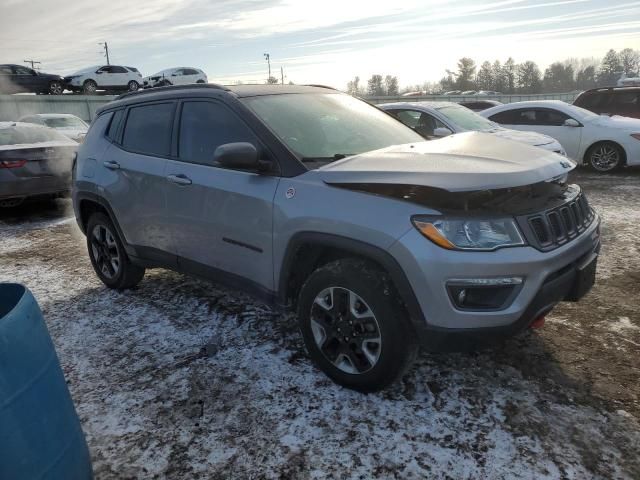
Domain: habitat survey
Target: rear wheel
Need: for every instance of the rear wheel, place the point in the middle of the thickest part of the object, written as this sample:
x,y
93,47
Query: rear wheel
x,y
89,87
56,88
107,254
605,157
353,326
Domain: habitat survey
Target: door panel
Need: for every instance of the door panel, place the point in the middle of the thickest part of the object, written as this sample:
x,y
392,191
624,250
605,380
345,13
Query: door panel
x,y
135,174
223,219
547,121
129,176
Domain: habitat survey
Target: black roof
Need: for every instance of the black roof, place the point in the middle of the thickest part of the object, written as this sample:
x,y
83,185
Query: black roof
x,y
239,91
612,89
257,90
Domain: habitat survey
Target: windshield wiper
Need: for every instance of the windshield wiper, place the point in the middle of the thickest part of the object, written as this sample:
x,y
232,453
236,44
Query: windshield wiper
x,y
337,156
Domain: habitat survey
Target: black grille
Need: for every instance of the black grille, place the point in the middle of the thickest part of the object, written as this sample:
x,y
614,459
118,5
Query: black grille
x,y
550,229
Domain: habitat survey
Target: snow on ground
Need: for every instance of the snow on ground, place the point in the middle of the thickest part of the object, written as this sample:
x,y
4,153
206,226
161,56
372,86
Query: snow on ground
x,y
181,378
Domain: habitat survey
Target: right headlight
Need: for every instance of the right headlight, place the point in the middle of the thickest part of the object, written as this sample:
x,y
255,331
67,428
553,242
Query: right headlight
x,y
470,234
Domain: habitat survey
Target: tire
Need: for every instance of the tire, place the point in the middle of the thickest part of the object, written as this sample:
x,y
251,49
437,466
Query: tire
x,y
89,87
107,254
56,88
133,86
605,157
352,297
200,81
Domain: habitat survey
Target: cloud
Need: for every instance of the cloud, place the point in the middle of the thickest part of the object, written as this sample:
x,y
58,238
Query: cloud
x,y
325,42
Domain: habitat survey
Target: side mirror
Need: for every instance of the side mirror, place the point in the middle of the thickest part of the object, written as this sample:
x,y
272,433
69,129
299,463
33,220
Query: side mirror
x,y
442,132
99,72
239,156
570,122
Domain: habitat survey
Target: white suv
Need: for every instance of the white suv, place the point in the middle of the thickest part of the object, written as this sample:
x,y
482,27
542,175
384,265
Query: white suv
x,y
175,76
106,77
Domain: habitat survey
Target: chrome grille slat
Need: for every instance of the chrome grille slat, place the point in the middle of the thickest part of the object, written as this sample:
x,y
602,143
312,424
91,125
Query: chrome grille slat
x,y
561,224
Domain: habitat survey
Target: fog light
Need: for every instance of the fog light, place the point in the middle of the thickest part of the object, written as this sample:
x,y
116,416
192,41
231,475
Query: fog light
x,y
483,293
462,295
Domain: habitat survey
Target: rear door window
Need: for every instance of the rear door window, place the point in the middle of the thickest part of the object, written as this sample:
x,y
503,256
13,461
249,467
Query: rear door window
x,y
509,117
204,126
148,129
531,116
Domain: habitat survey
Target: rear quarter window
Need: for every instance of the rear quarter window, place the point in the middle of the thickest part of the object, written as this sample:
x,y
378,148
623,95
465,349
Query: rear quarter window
x,y
112,129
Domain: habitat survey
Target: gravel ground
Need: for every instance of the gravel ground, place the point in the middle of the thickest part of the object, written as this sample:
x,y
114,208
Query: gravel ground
x,y
181,378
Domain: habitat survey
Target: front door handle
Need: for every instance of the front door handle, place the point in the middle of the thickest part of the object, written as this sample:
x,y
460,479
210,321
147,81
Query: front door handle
x,y
111,165
179,179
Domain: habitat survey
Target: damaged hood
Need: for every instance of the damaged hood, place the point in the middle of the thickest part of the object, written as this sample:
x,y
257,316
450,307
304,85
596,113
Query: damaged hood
x,y
462,162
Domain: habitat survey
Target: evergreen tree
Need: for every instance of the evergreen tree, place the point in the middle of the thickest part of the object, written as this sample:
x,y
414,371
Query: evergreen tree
x,y
375,88
484,79
610,69
528,78
509,75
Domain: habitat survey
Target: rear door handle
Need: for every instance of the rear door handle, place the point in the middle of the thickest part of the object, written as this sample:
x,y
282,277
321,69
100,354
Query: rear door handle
x,y
179,179
111,165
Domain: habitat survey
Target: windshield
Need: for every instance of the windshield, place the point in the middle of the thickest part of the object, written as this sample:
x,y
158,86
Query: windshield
x,y
582,113
20,135
65,122
327,127
467,119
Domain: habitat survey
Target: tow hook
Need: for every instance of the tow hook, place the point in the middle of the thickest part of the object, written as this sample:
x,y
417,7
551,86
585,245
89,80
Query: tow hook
x,y
537,323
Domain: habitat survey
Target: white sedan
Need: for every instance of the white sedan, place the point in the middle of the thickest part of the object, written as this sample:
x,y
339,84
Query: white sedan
x,y
604,143
439,119
175,76
68,125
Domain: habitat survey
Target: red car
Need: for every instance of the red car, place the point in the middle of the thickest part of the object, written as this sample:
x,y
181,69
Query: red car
x,y
624,101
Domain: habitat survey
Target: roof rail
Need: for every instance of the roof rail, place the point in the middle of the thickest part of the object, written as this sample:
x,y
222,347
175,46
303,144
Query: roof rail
x,y
319,86
167,88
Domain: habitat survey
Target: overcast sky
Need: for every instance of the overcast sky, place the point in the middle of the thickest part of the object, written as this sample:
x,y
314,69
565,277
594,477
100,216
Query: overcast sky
x,y
326,41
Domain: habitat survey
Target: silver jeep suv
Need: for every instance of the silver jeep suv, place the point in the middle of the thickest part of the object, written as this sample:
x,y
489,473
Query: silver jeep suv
x,y
315,201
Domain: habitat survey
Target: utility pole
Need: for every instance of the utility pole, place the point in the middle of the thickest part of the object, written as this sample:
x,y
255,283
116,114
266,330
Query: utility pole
x,y
268,58
282,75
106,51
32,62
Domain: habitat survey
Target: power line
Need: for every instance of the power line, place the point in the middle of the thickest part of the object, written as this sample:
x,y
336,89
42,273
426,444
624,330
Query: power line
x,y
32,62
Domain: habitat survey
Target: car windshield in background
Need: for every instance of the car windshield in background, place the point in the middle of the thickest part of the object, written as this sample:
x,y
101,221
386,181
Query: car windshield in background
x,y
64,122
20,135
327,127
465,118
582,113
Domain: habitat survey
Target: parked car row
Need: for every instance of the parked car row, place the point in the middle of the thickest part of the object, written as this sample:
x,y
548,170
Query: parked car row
x,y
602,142
110,78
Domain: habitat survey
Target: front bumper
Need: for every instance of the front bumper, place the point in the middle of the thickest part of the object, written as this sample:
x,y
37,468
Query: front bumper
x,y
549,277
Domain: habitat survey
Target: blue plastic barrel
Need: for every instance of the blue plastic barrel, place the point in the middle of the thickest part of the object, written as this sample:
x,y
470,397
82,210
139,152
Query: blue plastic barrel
x,y
40,434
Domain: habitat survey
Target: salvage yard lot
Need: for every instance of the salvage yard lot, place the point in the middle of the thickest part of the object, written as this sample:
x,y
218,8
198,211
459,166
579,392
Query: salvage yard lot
x,y
181,378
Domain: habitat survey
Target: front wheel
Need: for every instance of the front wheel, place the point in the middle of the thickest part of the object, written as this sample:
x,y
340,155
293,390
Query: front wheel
x,y
56,88
89,87
605,157
353,326
133,86
109,260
